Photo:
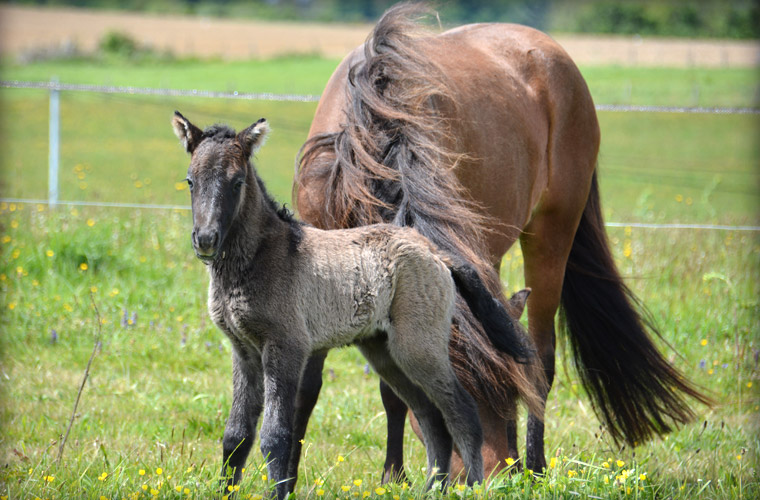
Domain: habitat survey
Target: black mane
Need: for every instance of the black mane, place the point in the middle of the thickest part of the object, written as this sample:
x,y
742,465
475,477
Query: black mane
x,y
219,132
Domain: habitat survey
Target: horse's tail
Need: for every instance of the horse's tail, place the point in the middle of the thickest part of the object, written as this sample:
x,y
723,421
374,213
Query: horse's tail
x,y
634,390
491,314
389,163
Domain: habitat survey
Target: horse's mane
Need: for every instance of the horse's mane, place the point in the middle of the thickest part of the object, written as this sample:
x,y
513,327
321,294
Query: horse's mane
x,y
390,163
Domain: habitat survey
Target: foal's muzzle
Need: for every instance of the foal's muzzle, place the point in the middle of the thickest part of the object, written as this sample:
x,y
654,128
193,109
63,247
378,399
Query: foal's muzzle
x,y
206,243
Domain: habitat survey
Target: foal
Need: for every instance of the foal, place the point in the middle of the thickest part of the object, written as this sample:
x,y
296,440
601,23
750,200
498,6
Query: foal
x,y
282,291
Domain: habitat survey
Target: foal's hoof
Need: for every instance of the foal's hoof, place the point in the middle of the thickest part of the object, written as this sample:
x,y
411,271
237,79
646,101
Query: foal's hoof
x,y
391,475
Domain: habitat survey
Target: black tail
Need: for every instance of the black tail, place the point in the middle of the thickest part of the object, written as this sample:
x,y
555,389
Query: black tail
x,y
634,390
491,314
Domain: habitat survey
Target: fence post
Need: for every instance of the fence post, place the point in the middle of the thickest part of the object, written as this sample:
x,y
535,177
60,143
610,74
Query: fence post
x,y
53,142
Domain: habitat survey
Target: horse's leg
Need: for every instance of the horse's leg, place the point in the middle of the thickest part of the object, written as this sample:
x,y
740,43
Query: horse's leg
x,y
546,244
437,440
395,414
510,423
283,364
308,393
240,431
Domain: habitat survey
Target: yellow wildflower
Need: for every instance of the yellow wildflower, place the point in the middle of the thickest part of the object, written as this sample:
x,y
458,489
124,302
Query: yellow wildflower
x,y
553,463
380,491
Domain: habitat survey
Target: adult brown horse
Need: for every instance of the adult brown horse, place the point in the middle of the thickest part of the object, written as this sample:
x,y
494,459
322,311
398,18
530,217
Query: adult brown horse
x,y
478,137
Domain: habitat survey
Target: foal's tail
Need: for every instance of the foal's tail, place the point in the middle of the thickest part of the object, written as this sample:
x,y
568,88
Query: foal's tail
x,y
491,314
634,390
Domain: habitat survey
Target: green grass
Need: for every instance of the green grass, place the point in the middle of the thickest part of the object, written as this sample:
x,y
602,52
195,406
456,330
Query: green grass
x,y
159,388
273,75
129,154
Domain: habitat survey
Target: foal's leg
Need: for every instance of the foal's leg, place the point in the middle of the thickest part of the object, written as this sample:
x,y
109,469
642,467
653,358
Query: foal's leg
x,y
437,440
430,369
283,364
308,393
395,414
240,431
419,343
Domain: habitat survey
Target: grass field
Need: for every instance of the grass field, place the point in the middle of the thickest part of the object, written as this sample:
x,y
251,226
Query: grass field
x,y
153,409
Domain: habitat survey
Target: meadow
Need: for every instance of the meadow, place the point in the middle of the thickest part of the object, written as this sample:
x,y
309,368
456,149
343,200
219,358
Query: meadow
x,y
124,284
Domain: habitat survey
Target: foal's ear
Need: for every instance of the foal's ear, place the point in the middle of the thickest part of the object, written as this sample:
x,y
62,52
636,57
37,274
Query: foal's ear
x,y
186,132
518,300
254,136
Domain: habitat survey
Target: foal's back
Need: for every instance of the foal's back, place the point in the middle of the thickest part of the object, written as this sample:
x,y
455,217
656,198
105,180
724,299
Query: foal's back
x,y
350,280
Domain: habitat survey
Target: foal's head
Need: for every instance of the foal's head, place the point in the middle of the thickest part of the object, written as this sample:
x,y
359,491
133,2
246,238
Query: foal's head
x,y
220,172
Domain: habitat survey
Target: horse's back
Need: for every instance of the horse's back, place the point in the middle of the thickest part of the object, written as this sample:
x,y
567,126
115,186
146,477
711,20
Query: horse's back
x,y
524,114
518,103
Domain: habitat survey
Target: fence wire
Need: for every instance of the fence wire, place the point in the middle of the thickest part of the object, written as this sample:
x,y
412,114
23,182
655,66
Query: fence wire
x,y
148,206
268,96
112,89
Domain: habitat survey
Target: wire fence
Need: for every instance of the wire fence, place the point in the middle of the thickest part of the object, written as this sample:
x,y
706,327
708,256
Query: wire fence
x,y
268,96
55,88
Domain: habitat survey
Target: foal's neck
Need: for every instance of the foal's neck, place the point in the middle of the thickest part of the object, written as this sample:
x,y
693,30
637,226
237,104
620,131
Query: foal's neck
x,y
257,229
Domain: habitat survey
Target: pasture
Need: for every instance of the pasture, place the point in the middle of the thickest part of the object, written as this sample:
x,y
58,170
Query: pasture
x,y
125,283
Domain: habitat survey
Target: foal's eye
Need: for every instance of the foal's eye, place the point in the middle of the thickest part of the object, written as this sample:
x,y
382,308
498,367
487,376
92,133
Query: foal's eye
x,y
238,184
189,183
